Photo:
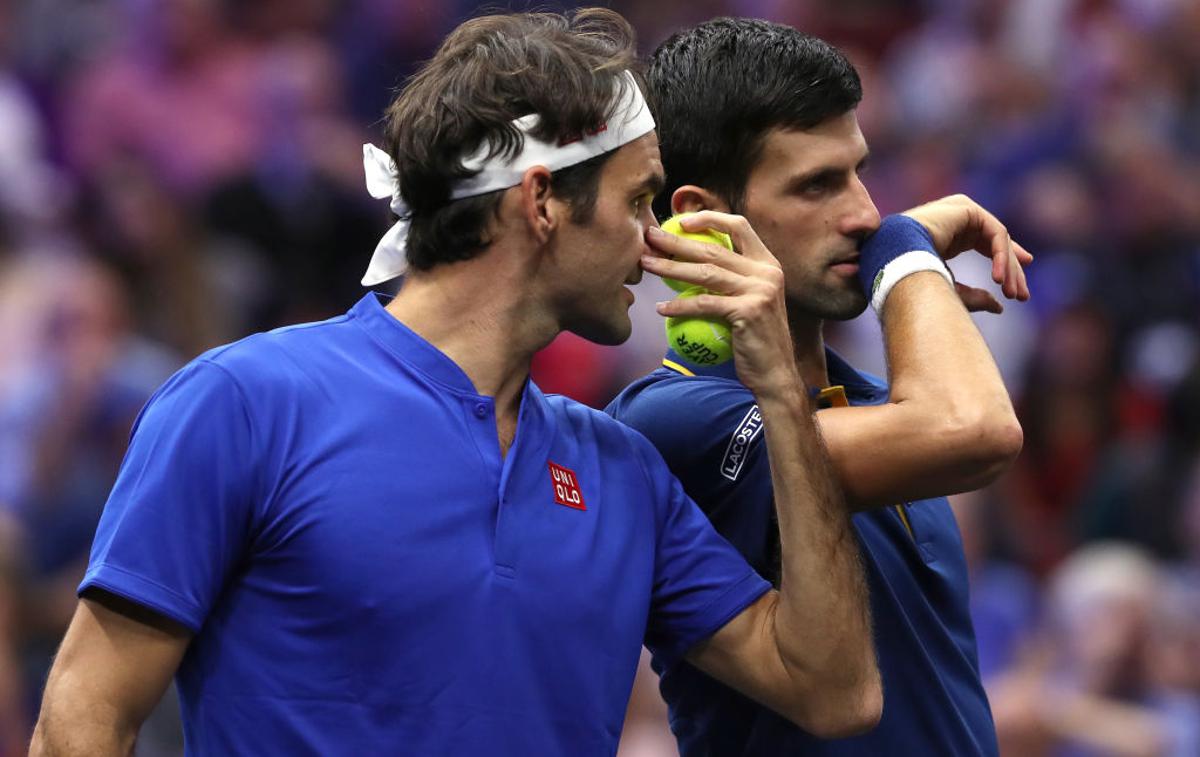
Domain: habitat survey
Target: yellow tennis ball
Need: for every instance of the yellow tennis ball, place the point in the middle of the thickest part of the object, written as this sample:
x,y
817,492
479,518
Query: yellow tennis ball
x,y
712,236
703,341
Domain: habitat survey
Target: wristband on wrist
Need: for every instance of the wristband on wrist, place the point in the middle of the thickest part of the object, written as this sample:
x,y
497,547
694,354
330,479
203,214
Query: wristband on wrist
x,y
904,265
901,246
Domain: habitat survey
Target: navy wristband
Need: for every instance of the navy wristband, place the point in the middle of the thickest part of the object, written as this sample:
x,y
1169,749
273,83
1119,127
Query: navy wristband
x,y
897,235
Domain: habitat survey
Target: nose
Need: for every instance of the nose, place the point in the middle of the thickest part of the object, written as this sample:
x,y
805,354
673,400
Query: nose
x,y
647,215
648,220
861,217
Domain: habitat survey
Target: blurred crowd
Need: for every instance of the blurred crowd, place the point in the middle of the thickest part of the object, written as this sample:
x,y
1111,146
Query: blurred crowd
x,y
175,174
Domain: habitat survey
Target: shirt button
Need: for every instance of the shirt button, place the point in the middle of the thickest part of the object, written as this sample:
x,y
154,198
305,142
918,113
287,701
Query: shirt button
x,y
481,410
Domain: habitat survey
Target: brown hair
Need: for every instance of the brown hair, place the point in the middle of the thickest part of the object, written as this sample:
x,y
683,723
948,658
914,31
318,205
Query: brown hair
x,y
489,71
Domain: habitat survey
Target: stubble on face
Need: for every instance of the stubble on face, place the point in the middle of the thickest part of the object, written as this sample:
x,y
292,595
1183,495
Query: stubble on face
x,y
813,294
603,253
807,203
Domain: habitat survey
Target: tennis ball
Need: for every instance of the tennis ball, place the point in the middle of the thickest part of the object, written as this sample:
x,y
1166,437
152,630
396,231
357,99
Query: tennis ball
x,y
703,341
712,236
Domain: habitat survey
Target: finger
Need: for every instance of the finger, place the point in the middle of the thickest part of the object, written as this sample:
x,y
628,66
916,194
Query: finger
x,y
708,275
1023,278
745,240
693,251
1024,258
700,306
999,244
1008,257
1017,276
999,255
1024,255
977,300
1014,286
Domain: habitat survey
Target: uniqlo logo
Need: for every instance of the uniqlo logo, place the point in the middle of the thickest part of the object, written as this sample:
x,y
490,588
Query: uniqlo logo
x,y
566,487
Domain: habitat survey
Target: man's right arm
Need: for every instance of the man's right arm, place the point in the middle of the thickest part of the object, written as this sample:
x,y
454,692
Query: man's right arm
x,y
112,668
949,424
178,520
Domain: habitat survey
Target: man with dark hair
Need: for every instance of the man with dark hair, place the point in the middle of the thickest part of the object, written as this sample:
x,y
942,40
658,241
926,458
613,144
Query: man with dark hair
x,y
375,534
759,119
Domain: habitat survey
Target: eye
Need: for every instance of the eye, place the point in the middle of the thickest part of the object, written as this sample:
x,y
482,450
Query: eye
x,y
816,186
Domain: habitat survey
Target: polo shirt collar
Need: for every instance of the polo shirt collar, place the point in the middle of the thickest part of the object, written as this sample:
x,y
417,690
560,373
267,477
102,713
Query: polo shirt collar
x,y
411,348
861,388
408,345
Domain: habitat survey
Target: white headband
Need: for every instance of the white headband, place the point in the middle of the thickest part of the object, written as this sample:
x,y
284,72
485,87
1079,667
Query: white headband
x,y
631,119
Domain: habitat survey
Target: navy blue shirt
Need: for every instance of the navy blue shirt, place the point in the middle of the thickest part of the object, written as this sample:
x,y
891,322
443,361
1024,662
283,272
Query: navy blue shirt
x,y
327,509
708,428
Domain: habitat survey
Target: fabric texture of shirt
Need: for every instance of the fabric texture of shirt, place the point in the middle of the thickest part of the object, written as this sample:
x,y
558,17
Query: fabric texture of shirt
x,y
327,509
708,428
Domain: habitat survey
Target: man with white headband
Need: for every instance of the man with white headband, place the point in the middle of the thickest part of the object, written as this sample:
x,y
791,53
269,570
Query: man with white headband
x,y
375,534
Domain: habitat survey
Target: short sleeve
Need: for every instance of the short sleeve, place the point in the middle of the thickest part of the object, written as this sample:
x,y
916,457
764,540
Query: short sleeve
x,y
178,518
700,581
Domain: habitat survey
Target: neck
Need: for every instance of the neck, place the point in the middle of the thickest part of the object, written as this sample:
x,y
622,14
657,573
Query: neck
x,y
479,315
808,343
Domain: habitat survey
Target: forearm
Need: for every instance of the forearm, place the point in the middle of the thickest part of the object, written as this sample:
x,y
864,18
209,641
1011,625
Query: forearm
x,y
72,723
937,358
943,373
949,424
822,622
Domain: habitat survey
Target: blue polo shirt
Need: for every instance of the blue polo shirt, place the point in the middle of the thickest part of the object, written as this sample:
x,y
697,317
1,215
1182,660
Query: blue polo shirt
x,y
326,508
708,428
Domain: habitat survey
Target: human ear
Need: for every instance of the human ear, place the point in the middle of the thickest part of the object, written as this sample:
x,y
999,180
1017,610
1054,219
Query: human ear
x,y
538,208
691,199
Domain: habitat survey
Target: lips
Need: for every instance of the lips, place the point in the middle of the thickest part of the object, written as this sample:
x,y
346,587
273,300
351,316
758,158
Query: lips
x,y
846,265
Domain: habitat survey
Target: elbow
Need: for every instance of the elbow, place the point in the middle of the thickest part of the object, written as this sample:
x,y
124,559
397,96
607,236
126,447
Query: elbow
x,y
853,712
1001,442
988,444
858,714
1007,439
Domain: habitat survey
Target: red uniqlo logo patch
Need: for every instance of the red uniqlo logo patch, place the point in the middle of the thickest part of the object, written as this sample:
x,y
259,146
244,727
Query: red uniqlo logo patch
x,y
566,487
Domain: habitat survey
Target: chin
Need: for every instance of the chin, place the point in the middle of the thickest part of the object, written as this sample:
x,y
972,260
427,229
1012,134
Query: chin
x,y
829,304
607,333
847,311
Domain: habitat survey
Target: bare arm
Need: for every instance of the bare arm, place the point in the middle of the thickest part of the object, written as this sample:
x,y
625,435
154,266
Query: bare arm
x,y
949,425
806,650
112,668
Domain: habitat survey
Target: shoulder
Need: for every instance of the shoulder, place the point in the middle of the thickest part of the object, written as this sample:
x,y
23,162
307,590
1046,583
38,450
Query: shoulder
x,y
254,377
668,398
270,359
682,413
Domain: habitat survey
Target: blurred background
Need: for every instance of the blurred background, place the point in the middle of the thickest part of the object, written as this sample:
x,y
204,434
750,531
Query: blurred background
x,y
175,174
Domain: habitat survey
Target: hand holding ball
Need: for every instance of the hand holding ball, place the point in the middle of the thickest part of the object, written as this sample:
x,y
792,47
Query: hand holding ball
x,y
672,226
703,341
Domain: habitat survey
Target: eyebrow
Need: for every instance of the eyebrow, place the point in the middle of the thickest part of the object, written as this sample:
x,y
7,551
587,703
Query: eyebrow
x,y
653,183
825,172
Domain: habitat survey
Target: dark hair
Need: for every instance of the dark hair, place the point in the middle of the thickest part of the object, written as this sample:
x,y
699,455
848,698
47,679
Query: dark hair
x,y
489,71
718,88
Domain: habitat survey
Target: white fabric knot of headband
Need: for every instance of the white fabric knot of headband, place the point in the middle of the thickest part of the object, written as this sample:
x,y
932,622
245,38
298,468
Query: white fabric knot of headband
x,y
631,119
